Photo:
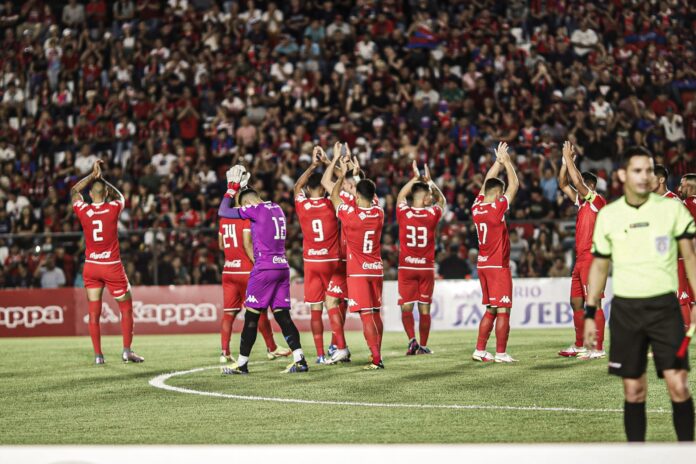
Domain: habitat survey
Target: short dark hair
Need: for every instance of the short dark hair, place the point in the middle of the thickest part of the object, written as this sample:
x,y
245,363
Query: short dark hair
x,y
366,189
691,177
420,187
589,179
632,152
246,192
661,171
99,181
492,184
314,181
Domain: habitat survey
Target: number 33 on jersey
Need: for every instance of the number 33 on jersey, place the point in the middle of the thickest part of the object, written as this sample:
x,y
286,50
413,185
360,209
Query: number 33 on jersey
x,y
417,228
494,242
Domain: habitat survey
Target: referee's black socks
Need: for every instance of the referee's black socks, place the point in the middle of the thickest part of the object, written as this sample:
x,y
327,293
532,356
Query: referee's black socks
x,y
683,419
635,422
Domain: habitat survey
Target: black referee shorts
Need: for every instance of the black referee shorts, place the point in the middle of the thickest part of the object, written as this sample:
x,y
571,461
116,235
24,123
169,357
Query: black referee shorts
x,y
636,323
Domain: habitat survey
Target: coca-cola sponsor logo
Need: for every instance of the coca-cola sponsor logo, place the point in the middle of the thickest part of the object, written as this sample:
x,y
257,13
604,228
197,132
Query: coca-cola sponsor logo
x,y
322,252
376,266
279,260
102,255
414,260
482,259
180,314
234,263
30,316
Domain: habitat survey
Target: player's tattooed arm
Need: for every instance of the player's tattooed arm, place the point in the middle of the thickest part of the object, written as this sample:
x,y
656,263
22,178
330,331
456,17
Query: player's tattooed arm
x,y
327,179
336,191
76,190
564,185
438,196
248,244
113,193
494,170
573,171
513,183
302,181
406,189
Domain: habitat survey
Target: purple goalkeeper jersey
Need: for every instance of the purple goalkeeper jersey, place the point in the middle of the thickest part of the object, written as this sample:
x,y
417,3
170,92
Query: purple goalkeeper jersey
x,y
268,231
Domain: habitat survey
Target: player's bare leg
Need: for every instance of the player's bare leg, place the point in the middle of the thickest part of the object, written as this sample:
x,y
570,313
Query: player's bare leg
x,y
228,317
125,306
635,393
409,326
94,305
273,351
502,333
424,328
337,317
577,304
682,403
485,329
317,326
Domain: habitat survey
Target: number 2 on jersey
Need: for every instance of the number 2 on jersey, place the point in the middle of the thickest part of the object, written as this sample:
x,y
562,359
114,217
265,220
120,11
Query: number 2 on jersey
x,y
230,232
98,229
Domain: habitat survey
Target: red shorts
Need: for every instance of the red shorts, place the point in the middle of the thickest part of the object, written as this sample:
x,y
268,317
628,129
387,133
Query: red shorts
x,y
416,286
496,286
111,276
364,293
578,279
684,293
317,276
337,287
234,290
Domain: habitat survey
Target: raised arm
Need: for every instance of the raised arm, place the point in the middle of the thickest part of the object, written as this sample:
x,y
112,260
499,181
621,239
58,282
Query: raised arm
x,y
113,192
436,192
327,179
76,190
336,191
513,183
494,170
302,181
573,171
228,211
564,185
406,189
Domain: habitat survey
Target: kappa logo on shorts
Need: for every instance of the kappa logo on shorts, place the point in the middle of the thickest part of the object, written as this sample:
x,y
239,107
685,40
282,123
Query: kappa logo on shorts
x,y
684,296
505,299
615,365
252,299
352,302
334,289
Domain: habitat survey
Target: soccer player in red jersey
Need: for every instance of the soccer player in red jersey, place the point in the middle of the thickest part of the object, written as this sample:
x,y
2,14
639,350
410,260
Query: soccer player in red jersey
x,y
234,236
583,194
320,247
103,267
488,213
362,224
417,228
687,191
686,299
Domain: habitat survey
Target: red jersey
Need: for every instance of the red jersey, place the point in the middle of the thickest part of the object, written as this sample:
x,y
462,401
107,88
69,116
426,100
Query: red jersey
x,y
672,195
417,228
319,228
349,200
493,238
232,233
362,228
690,204
100,224
585,222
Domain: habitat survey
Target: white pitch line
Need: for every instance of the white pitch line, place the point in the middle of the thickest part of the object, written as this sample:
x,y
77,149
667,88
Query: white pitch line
x,y
160,382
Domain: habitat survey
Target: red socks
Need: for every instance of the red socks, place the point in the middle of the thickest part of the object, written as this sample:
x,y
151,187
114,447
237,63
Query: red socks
x,y
599,320
485,328
226,332
407,320
318,331
94,308
266,331
579,323
686,314
380,328
338,337
126,308
424,329
502,331
372,334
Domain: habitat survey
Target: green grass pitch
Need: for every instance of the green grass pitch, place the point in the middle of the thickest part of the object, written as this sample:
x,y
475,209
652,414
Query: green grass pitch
x,y
52,394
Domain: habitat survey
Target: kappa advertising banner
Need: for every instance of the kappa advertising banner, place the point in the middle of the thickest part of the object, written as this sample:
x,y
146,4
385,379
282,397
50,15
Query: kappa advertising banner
x,y
198,309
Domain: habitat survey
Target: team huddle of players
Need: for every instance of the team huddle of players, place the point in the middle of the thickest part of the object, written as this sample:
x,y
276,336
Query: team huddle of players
x,y
341,223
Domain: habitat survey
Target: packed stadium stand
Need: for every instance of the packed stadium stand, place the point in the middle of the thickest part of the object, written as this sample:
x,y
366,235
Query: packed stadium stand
x,y
172,93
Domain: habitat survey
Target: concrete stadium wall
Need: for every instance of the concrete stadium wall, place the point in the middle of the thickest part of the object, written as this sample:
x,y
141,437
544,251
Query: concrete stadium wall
x,y
537,303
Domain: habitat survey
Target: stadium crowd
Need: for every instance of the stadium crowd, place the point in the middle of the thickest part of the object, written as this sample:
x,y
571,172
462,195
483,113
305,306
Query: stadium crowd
x,y
172,93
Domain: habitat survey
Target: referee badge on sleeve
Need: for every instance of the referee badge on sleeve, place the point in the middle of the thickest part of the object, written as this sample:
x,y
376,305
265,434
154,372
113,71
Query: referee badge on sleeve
x,y
662,244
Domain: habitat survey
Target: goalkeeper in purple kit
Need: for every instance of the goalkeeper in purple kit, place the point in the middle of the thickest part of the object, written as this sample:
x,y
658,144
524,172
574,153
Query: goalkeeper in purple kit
x,y
269,281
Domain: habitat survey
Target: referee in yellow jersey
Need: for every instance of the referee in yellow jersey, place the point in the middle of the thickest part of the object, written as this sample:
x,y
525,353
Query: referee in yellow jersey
x,y
640,234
